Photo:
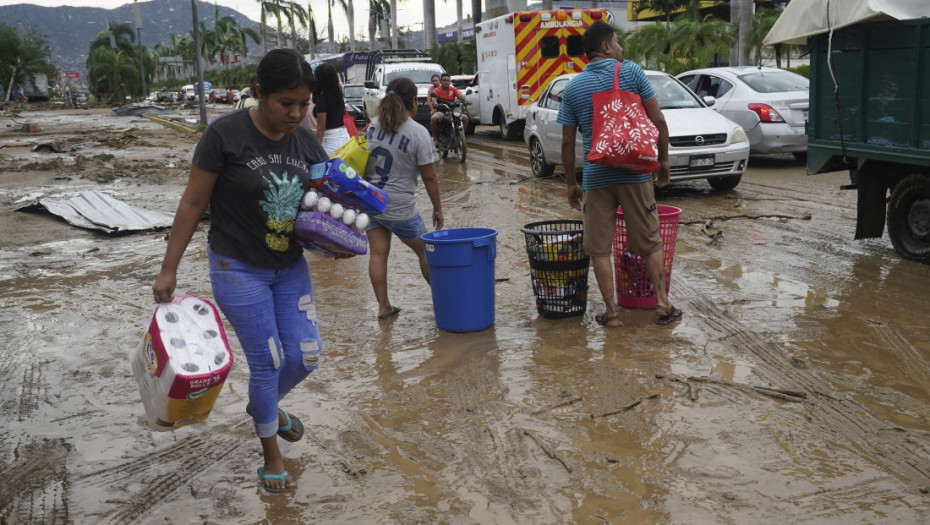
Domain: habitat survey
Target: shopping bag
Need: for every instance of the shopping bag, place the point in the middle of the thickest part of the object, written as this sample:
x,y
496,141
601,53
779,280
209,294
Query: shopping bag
x,y
354,153
349,123
622,134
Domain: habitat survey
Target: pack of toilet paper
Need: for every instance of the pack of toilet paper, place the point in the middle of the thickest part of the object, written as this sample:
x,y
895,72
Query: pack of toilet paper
x,y
182,363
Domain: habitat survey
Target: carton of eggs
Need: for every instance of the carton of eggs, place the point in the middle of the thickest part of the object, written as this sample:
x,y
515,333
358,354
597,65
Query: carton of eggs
x,y
348,215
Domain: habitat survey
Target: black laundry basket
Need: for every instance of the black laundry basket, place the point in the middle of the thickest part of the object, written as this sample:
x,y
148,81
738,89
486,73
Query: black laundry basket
x,y
558,267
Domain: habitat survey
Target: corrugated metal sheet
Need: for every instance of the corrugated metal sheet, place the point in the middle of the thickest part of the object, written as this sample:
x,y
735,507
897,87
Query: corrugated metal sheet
x,y
95,210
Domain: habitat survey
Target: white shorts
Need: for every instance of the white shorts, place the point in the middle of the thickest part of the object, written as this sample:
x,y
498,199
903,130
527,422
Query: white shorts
x,y
333,139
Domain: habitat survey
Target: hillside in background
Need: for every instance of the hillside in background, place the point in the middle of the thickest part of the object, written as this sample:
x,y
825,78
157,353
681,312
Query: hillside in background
x,y
70,30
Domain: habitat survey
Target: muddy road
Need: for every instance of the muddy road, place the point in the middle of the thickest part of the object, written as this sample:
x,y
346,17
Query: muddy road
x,y
796,388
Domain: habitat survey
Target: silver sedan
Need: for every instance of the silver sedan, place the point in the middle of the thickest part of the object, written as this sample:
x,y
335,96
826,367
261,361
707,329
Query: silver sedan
x,y
702,143
769,103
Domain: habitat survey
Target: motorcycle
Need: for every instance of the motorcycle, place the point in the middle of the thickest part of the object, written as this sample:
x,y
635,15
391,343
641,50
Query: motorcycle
x,y
450,134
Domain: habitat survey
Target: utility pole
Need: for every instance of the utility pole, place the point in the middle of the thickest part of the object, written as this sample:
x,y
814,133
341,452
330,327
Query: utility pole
x,y
137,11
197,65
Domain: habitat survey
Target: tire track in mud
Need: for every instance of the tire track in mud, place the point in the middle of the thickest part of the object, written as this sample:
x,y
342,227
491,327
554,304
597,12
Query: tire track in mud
x,y
902,453
144,483
22,401
34,490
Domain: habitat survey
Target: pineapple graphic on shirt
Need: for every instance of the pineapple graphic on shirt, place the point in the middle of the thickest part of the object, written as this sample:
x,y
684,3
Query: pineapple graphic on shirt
x,y
282,198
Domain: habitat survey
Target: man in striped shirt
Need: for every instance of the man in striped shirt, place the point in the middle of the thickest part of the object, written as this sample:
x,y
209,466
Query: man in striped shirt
x,y
604,187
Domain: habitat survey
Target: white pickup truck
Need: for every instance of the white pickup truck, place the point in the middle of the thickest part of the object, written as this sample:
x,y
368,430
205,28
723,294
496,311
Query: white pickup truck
x,y
382,74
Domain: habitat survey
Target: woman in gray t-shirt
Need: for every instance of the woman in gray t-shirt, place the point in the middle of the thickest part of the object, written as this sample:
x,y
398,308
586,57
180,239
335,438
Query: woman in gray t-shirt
x,y
400,150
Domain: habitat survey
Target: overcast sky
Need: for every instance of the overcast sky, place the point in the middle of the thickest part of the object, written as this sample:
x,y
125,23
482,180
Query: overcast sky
x,y
410,12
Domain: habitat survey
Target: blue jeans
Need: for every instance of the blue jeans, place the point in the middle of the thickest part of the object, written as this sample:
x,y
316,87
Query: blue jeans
x,y
274,316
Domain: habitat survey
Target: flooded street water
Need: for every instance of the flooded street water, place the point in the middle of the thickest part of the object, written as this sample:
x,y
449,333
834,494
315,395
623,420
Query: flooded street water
x,y
795,389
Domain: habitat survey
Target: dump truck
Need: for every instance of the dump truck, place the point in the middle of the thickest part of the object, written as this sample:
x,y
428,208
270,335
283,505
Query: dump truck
x,y
870,108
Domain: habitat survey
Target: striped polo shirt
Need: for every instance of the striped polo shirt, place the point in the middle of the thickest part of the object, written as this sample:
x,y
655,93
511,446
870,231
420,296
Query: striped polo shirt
x,y
577,109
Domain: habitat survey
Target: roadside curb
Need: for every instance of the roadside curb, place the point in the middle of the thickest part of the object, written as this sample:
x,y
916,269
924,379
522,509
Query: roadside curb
x,y
174,124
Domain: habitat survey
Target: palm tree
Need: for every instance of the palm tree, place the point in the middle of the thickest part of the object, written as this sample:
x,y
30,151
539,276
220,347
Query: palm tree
x,y
108,68
266,6
652,43
281,10
695,41
429,24
745,27
311,30
330,31
762,23
378,12
350,14
394,23
119,35
295,13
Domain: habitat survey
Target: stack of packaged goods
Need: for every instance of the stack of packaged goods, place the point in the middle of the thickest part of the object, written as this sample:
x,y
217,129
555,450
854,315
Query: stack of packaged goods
x,y
335,211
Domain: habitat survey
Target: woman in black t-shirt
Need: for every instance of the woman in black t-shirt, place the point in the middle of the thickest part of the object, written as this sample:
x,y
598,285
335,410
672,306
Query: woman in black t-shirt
x,y
329,108
251,167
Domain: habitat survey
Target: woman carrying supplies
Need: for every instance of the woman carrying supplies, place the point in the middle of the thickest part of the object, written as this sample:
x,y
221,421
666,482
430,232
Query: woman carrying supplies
x,y
400,150
251,167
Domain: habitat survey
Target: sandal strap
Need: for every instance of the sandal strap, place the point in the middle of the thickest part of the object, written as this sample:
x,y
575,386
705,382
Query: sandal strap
x,y
261,472
287,418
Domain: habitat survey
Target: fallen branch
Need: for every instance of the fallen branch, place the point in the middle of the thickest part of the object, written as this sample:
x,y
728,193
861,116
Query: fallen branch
x,y
792,396
628,407
805,217
560,405
546,451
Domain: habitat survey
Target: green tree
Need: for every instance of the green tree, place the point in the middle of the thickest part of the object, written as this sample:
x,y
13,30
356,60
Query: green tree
x,y
695,41
119,42
762,22
25,53
108,69
456,58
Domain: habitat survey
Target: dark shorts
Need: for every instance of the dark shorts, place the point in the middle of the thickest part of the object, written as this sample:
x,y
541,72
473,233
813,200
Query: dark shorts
x,y
640,215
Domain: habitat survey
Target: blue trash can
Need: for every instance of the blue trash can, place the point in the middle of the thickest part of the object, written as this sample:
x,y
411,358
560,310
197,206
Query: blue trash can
x,y
461,272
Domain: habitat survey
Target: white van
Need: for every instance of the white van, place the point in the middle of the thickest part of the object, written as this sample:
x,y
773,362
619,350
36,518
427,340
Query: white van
x,y
188,93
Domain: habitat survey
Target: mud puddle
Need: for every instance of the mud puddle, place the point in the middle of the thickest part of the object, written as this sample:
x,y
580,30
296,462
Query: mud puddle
x,y
794,389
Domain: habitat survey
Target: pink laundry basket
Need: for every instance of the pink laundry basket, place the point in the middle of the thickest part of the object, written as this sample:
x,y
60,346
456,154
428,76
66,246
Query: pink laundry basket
x,y
634,289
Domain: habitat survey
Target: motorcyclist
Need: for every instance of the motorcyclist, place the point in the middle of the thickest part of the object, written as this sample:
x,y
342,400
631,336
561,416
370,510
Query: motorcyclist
x,y
446,93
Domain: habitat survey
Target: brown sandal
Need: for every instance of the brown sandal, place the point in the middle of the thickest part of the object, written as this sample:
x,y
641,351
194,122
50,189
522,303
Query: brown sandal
x,y
671,314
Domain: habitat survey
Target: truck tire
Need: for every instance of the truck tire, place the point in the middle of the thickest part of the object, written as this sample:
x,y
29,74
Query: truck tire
x,y
538,164
724,183
909,217
507,131
470,129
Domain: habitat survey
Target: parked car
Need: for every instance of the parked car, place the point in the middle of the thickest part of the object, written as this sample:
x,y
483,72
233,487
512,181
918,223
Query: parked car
x,y
702,143
771,104
165,97
220,96
353,98
236,95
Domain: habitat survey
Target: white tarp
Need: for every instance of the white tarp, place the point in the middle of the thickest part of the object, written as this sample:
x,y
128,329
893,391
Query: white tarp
x,y
804,18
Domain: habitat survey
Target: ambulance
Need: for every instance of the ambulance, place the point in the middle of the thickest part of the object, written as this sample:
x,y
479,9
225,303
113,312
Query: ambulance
x,y
520,53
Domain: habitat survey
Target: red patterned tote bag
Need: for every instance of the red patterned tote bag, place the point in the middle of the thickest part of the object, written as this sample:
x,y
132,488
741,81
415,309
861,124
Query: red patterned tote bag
x,y
623,136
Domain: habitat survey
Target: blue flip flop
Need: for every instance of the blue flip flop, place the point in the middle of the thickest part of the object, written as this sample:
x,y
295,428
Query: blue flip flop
x,y
292,421
282,477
